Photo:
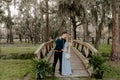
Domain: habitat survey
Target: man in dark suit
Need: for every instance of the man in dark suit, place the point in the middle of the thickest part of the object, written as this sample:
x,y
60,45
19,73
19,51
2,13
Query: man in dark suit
x,y
58,52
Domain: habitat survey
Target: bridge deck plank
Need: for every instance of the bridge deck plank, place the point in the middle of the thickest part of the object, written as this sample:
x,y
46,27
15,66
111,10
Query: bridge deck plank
x,y
76,64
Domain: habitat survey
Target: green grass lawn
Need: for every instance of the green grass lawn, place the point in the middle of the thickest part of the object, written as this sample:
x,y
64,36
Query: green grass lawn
x,y
13,50
15,69
114,74
18,48
105,49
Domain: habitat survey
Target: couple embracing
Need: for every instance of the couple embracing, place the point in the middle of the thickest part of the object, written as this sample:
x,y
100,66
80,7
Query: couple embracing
x,y
62,53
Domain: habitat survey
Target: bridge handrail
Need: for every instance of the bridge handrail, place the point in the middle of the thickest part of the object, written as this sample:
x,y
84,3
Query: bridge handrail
x,y
88,48
83,50
43,50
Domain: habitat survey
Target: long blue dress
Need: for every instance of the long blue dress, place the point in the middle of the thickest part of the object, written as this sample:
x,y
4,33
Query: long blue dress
x,y
66,66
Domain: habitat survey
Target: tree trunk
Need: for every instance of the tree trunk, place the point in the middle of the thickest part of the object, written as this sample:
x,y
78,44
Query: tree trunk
x,y
85,33
28,39
31,39
74,27
9,32
93,41
8,36
20,37
47,23
36,38
97,39
11,35
74,33
9,25
99,30
115,32
98,36
108,41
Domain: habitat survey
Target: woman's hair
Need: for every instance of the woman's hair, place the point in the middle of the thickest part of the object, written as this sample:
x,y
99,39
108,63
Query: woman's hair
x,y
69,39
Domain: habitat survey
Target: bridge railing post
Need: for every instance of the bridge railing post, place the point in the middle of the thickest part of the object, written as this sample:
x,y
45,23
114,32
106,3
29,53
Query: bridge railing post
x,y
43,50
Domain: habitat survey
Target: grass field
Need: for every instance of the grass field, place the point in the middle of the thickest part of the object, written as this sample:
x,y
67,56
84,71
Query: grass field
x,y
114,74
18,48
18,69
14,50
105,50
15,69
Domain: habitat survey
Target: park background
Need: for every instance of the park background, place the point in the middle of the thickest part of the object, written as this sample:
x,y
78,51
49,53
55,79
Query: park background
x,y
25,24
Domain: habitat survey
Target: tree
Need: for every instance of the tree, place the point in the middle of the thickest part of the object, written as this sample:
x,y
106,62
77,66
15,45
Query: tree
x,y
109,31
25,10
100,12
115,30
47,22
9,23
73,10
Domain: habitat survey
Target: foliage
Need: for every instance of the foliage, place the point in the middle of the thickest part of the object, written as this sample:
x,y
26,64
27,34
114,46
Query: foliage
x,y
1,14
29,22
74,10
99,64
42,68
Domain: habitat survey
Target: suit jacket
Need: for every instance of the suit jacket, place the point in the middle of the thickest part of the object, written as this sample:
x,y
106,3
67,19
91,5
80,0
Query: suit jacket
x,y
59,44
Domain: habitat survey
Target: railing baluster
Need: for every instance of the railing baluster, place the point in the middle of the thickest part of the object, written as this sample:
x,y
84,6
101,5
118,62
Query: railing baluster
x,y
90,54
87,50
41,55
43,50
47,49
50,46
77,46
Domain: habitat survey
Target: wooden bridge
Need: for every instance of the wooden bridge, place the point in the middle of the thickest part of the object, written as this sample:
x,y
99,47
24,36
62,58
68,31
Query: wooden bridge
x,y
80,52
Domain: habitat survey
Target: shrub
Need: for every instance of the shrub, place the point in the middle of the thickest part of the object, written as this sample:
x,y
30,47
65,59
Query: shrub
x,y
99,65
42,68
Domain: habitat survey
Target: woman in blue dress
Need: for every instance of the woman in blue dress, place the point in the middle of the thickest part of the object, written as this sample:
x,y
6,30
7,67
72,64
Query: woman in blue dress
x,y
66,66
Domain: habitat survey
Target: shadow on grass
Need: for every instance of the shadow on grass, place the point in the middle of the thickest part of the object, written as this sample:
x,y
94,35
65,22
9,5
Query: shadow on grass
x,y
17,56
